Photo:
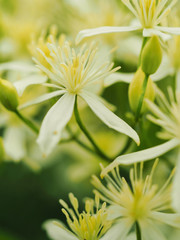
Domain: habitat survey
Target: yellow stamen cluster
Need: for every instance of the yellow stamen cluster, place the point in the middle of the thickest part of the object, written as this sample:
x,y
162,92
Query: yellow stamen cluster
x,y
149,12
92,223
72,69
138,200
42,44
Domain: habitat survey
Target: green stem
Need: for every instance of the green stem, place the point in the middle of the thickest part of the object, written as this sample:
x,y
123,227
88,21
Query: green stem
x,y
75,138
28,122
145,82
138,232
87,134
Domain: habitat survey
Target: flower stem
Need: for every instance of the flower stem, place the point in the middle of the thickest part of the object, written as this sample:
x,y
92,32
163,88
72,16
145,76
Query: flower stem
x,y
87,134
138,232
145,82
28,122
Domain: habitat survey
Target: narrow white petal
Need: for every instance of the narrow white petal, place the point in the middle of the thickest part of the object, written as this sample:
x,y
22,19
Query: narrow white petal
x,y
119,230
150,231
18,66
103,30
14,143
54,122
22,84
149,32
170,30
118,77
115,211
108,117
171,219
42,98
176,188
143,155
55,232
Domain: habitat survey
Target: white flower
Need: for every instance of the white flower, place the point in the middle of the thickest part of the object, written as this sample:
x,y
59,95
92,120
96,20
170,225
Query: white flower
x,y
91,224
149,14
73,73
168,117
141,202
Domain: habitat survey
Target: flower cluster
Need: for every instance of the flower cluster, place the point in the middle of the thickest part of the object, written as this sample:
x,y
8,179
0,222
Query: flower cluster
x,y
66,104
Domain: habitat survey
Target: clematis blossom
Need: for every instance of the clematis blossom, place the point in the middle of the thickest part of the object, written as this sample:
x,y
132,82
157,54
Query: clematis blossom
x,y
73,73
148,16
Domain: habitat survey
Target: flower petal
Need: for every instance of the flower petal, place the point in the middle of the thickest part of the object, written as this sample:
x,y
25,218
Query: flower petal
x,y
108,117
176,188
149,32
170,30
150,231
143,155
119,230
104,30
171,219
56,232
22,84
42,98
54,122
18,66
118,77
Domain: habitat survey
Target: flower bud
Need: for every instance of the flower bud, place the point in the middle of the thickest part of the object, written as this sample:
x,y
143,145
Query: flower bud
x,y
135,90
8,95
151,56
2,152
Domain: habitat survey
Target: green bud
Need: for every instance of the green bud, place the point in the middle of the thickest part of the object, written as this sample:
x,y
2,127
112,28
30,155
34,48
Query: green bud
x,y
135,91
151,56
8,95
2,152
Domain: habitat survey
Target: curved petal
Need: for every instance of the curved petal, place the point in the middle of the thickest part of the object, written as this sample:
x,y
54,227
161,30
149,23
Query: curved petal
x,y
143,155
149,32
42,98
54,122
18,66
22,84
150,231
171,219
169,30
104,30
118,77
55,232
119,230
176,188
108,117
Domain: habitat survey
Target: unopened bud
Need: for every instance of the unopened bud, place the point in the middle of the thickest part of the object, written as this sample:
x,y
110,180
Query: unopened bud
x,y
2,152
151,56
135,90
8,95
